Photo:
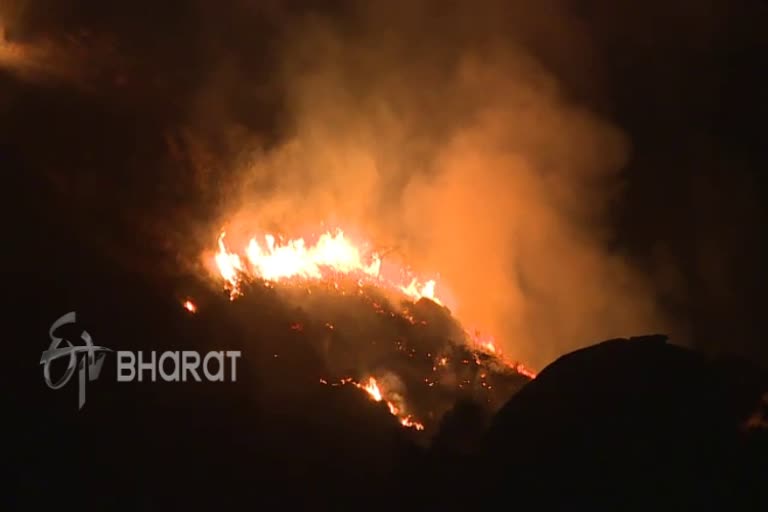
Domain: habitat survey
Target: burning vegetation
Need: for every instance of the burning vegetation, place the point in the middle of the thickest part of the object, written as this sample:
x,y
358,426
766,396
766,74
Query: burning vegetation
x,y
382,328
333,256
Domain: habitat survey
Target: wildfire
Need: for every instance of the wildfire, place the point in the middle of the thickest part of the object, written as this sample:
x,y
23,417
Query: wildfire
x,y
523,370
331,258
488,344
334,254
375,393
190,306
372,388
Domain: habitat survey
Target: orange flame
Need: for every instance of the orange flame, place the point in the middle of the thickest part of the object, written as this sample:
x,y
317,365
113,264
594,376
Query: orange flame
x,y
488,344
377,395
229,266
373,390
190,306
332,254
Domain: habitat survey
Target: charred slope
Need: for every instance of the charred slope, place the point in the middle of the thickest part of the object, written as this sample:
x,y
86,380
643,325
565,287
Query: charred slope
x,y
630,423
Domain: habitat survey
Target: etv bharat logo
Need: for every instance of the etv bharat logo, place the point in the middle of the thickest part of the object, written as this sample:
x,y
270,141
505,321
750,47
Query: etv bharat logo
x,y
130,366
87,372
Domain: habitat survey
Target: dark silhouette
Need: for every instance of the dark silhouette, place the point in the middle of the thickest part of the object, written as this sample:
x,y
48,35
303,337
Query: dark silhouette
x,y
632,423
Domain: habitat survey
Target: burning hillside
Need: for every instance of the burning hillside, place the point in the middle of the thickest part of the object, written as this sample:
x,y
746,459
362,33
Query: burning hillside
x,y
543,172
380,327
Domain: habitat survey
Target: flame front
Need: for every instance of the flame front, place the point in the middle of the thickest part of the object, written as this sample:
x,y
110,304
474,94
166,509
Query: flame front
x,y
333,254
373,390
375,393
229,266
294,259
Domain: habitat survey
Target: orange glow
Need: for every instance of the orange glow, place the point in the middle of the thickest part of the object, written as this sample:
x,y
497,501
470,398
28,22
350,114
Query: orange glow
x,y
374,391
488,344
229,266
331,257
373,388
521,369
333,254
190,306
10,54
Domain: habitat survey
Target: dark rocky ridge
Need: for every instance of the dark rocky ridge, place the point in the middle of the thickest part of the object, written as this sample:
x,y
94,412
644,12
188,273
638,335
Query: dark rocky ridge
x,y
634,423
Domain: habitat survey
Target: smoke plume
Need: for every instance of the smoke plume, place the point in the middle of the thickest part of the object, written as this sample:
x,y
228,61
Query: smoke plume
x,y
456,134
443,133
433,131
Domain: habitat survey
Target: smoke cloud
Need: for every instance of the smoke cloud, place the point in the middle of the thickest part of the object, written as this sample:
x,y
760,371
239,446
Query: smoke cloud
x,y
443,133
432,130
163,116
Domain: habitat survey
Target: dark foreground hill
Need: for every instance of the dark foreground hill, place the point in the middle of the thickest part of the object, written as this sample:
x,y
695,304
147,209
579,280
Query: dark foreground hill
x,y
631,424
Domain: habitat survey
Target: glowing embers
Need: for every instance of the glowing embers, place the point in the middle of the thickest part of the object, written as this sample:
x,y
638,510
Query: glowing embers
x,y
189,306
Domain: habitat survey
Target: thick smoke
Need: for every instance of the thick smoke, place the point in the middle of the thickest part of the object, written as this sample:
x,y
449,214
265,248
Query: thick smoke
x,y
453,133
434,131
